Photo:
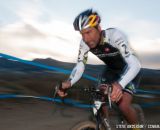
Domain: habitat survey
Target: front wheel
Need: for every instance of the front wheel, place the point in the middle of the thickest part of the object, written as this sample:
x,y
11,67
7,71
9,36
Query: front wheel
x,y
86,125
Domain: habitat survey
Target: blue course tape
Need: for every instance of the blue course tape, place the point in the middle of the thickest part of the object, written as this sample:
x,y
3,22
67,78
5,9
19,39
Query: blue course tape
x,y
147,92
58,100
35,64
3,96
44,66
65,71
67,101
148,105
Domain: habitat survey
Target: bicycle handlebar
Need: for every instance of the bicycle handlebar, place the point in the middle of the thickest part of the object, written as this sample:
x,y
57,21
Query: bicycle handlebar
x,y
99,91
96,93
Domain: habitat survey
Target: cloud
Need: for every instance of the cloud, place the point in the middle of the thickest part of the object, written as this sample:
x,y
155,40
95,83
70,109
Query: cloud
x,y
53,38
22,30
29,11
148,52
150,60
136,28
144,46
42,40
36,40
31,38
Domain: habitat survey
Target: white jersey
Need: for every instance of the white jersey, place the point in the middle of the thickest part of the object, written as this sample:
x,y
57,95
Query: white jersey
x,y
114,51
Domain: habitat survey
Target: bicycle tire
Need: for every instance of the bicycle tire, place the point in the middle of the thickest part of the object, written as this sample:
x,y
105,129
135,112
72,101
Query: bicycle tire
x,y
86,125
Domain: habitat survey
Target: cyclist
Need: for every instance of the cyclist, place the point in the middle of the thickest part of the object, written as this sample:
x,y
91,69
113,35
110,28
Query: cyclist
x,y
111,46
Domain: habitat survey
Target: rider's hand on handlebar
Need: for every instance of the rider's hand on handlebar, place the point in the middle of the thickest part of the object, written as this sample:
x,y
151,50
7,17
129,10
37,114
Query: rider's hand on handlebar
x,y
65,85
116,92
104,88
62,93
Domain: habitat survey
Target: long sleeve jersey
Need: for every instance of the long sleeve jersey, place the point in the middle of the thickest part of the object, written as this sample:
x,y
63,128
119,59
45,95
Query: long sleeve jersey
x,y
114,51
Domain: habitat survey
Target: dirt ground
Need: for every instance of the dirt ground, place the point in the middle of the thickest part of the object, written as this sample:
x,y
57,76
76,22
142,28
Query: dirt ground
x,y
32,114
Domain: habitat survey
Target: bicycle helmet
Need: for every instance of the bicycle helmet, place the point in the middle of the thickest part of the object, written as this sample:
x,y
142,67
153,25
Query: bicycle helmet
x,y
87,18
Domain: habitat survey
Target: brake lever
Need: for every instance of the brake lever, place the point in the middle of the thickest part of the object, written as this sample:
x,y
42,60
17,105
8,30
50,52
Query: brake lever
x,y
57,87
56,90
109,96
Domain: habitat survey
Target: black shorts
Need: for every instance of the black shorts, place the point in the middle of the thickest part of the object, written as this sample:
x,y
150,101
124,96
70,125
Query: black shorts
x,y
109,76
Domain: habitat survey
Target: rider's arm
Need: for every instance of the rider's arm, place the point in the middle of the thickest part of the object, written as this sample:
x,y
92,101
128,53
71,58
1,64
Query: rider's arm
x,y
133,64
131,70
80,66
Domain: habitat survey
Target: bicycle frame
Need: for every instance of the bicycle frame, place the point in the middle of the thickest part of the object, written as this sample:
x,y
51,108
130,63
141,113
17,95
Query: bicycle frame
x,y
99,109
98,113
100,106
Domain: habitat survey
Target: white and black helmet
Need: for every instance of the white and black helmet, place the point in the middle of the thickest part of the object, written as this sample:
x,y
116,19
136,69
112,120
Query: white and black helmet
x,y
87,18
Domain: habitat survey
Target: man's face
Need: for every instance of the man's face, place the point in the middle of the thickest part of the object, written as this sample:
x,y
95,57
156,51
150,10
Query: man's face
x,y
91,36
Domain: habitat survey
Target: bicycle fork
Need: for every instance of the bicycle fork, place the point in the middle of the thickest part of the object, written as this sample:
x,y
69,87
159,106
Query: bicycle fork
x,y
100,120
100,117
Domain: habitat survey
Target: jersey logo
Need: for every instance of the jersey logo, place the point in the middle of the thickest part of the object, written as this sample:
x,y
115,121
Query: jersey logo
x,y
107,50
108,55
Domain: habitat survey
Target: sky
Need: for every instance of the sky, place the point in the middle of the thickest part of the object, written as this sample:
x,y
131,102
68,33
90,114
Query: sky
x,y
32,29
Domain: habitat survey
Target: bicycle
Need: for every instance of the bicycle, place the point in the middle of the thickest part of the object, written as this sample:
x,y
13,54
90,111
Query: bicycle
x,y
104,118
